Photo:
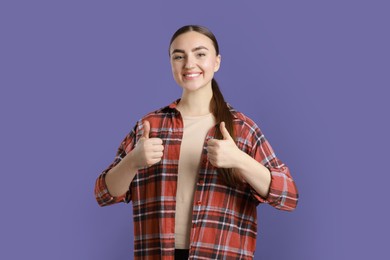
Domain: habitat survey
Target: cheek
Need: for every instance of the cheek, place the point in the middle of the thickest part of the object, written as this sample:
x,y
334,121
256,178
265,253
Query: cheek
x,y
176,66
209,66
175,70
210,63
176,73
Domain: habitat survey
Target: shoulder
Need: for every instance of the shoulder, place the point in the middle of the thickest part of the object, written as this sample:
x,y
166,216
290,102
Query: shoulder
x,y
248,135
241,119
161,113
157,117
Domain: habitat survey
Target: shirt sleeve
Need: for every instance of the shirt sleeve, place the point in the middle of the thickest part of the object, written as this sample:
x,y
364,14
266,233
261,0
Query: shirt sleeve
x,y
283,193
102,194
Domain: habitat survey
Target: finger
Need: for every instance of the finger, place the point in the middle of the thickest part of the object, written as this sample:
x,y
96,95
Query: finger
x,y
157,155
211,152
154,161
158,148
212,142
224,131
211,160
146,129
156,141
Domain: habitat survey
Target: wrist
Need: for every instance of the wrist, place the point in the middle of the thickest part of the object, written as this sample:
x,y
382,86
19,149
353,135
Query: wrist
x,y
239,160
131,162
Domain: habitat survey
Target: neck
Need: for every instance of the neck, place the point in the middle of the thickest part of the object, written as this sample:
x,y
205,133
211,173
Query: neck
x,y
195,103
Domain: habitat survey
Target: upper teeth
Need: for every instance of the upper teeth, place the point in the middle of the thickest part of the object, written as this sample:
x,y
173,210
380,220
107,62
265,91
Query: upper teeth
x,y
192,75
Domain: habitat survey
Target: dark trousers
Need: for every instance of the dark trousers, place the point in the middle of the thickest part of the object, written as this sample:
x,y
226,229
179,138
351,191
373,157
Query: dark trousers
x,y
181,254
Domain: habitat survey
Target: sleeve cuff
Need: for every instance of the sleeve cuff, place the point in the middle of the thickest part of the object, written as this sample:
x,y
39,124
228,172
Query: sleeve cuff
x,y
282,193
104,197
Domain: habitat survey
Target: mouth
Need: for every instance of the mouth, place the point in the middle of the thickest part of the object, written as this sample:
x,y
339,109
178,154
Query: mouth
x,y
192,75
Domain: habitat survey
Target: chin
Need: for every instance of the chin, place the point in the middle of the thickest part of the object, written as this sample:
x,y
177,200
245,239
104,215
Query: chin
x,y
192,88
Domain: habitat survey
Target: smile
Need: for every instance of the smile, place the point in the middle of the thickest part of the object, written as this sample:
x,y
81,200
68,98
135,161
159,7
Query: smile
x,y
192,75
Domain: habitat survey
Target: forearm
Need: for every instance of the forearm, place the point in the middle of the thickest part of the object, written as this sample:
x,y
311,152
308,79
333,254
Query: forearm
x,y
118,179
254,173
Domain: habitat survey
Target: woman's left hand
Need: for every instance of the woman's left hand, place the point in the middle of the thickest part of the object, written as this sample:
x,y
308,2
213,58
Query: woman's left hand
x,y
223,153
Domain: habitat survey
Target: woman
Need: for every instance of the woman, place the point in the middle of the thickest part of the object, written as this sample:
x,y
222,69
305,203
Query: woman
x,y
196,169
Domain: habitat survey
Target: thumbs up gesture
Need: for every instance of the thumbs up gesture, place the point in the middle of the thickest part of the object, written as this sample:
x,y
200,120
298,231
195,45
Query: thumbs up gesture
x,y
223,153
148,151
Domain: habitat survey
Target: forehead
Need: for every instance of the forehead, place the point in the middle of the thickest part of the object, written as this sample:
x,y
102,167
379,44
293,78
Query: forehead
x,y
189,40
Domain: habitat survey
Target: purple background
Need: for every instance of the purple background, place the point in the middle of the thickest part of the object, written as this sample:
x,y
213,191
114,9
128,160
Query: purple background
x,y
76,75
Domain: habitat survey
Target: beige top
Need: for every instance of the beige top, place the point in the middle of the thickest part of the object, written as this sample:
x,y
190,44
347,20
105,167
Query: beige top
x,y
194,134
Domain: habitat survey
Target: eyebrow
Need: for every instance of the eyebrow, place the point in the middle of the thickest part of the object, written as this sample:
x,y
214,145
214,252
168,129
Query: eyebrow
x,y
193,50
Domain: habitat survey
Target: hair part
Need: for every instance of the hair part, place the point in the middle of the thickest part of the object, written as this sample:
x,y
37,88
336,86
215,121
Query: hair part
x,y
218,104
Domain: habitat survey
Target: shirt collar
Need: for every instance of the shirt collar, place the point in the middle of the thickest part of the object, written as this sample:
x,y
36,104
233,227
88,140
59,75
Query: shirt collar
x,y
174,104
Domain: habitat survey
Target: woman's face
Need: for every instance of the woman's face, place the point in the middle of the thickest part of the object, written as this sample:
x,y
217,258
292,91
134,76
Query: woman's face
x,y
193,60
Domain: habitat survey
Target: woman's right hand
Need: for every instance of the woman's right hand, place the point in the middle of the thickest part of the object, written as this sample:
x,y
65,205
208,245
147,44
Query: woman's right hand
x,y
147,151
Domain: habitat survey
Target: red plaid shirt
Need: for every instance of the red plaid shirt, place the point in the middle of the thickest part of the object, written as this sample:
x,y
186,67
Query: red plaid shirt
x,y
224,222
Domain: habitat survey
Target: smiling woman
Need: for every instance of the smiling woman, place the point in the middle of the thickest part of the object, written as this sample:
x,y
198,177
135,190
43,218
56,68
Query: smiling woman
x,y
196,169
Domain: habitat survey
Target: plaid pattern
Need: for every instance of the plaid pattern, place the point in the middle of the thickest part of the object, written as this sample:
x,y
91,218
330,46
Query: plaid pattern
x,y
224,223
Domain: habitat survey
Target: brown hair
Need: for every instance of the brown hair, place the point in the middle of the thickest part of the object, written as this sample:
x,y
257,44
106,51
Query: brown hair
x,y
218,105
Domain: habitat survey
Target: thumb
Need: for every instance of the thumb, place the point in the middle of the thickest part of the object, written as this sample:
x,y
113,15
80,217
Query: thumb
x,y
224,131
146,129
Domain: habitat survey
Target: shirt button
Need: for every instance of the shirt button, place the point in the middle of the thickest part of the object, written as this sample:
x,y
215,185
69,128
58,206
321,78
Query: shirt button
x,y
201,182
199,202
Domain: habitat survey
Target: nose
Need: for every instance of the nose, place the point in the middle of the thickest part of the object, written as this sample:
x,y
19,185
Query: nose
x,y
189,64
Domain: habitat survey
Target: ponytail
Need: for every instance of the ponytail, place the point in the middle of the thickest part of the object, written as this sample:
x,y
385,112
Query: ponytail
x,y
222,113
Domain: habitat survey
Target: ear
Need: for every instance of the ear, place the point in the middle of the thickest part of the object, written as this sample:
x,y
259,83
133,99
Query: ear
x,y
217,63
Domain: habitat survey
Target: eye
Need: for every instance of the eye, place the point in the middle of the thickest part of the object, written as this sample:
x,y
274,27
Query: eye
x,y
177,57
200,54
